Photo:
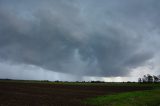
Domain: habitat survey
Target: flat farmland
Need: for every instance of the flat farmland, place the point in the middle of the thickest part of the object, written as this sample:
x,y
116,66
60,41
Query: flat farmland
x,y
19,93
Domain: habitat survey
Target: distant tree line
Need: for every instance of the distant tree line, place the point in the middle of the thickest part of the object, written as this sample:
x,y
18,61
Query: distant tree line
x,y
149,79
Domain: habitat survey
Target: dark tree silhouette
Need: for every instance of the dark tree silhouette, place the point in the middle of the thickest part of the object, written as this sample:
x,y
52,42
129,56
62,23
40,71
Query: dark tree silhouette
x,y
139,80
156,79
149,78
145,79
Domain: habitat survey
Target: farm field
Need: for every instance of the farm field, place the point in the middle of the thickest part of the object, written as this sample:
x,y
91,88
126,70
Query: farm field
x,y
135,98
23,93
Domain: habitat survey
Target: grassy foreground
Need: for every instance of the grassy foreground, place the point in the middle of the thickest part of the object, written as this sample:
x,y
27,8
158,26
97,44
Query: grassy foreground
x,y
138,98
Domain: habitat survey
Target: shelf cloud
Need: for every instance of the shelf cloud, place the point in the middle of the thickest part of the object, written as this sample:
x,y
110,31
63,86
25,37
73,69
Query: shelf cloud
x,y
85,38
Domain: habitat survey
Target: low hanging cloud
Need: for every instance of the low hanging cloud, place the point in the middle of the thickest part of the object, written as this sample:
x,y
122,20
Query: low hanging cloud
x,y
86,38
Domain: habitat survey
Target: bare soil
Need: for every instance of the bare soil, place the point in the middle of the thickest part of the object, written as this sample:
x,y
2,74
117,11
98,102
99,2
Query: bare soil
x,y
43,94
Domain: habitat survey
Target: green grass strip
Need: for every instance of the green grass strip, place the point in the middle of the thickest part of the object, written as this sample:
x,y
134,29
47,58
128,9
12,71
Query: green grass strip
x,y
138,98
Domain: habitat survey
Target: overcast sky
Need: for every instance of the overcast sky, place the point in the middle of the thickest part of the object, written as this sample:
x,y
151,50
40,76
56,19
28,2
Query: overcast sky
x,y
111,40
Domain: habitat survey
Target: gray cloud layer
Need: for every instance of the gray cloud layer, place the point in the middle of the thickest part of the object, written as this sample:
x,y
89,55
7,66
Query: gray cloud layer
x,y
93,38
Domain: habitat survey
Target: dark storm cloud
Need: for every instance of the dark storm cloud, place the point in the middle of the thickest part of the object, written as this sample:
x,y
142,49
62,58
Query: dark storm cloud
x,y
94,38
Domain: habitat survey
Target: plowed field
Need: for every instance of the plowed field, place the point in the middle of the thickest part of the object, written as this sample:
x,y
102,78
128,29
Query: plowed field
x,y
46,94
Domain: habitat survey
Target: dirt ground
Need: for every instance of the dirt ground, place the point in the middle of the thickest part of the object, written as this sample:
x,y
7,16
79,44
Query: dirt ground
x,y
43,94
